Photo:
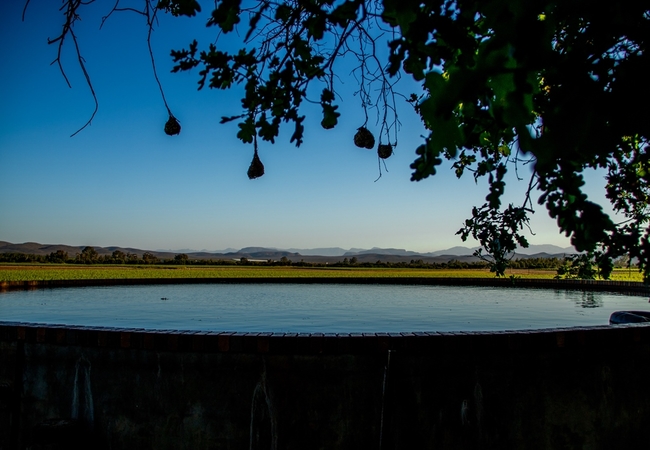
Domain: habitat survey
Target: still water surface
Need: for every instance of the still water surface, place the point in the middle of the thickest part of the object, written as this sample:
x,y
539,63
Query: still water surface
x,y
315,308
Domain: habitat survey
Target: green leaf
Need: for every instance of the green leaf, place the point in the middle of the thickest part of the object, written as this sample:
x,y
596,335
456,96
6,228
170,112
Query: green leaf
x,y
267,131
345,12
226,15
246,131
177,8
401,13
330,116
326,96
316,26
283,12
298,132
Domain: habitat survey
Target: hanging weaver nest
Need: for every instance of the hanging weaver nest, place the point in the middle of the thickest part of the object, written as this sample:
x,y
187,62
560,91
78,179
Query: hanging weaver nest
x,y
256,169
385,151
172,127
364,138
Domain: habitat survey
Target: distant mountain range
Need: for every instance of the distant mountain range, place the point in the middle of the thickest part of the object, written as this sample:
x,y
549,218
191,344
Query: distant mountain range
x,y
338,251
328,254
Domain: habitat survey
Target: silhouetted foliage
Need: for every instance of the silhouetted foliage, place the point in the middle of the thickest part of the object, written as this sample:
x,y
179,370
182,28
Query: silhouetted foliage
x,y
549,83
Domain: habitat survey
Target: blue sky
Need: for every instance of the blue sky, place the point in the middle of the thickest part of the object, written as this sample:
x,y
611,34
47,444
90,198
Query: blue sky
x,y
123,182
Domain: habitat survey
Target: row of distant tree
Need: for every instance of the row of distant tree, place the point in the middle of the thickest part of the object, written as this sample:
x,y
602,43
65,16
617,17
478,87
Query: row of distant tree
x,y
574,266
90,256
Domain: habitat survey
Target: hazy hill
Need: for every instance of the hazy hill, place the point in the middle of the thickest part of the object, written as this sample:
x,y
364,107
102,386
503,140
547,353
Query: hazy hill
x,y
328,254
531,250
546,248
193,250
325,251
385,251
458,251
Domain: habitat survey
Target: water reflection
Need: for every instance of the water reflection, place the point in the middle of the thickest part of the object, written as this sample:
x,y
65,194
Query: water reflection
x,y
589,300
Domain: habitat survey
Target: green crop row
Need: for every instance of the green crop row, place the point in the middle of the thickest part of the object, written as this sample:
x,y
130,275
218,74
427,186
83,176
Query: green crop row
x,y
67,272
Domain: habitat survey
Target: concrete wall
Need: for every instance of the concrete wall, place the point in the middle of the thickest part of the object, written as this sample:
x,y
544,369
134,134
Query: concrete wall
x,y
133,389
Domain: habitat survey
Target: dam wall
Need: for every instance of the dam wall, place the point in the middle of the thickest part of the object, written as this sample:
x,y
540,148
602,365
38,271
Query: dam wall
x,y
110,388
